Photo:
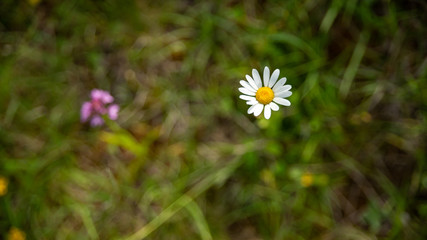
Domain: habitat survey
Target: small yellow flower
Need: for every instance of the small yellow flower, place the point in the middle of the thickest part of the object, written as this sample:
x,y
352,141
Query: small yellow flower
x,y
34,2
306,179
16,234
366,117
3,186
359,118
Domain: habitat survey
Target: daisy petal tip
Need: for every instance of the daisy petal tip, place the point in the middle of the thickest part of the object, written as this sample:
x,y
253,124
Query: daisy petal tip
x,y
267,112
282,101
247,91
257,78
258,109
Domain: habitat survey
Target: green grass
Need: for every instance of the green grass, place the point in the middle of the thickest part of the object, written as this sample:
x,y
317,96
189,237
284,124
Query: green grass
x,y
184,160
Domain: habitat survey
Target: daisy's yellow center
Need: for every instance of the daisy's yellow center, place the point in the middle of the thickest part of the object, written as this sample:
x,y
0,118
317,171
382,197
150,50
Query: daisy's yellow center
x,y
264,95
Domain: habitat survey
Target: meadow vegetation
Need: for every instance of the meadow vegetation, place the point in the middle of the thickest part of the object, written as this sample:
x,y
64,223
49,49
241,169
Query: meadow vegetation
x,y
347,160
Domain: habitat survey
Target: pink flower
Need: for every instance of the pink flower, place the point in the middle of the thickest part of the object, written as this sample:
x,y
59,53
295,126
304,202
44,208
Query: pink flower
x,y
100,104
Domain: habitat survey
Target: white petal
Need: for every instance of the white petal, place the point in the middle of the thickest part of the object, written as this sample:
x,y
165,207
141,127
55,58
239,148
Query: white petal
x,y
282,101
267,112
282,88
258,109
283,94
273,106
280,83
252,102
246,85
246,91
252,82
274,78
252,108
266,76
257,78
247,98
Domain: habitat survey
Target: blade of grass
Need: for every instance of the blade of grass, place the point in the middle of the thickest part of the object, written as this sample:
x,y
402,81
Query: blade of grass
x,y
353,66
212,179
200,220
311,81
330,16
87,220
296,42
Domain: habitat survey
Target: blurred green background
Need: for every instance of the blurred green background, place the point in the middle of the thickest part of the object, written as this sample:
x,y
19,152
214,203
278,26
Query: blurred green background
x,y
184,161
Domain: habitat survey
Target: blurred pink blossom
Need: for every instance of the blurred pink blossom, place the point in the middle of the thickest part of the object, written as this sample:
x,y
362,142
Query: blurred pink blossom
x,y
100,104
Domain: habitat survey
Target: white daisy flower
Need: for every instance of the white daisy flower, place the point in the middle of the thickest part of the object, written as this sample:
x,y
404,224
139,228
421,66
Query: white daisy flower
x,y
264,97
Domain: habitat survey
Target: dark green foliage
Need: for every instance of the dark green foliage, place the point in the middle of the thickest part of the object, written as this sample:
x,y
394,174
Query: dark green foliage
x,y
185,161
